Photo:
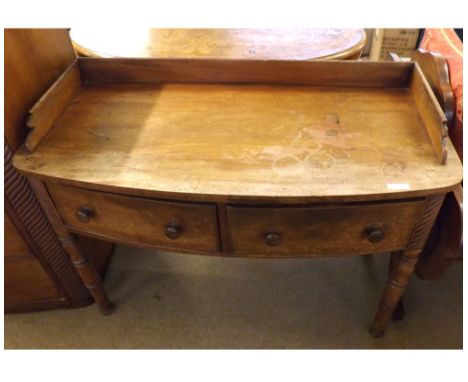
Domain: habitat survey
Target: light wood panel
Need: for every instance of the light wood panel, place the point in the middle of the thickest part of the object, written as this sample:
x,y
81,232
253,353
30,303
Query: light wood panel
x,y
431,113
34,59
436,71
317,73
26,282
25,278
15,244
287,44
244,142
49,107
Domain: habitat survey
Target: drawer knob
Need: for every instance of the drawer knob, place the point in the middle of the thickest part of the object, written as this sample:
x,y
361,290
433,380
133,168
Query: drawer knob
x,y
272,239
173,230
84,214
375,233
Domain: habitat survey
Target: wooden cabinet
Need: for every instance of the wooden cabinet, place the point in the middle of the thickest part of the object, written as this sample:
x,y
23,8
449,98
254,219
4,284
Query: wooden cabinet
x,y
38,272
26,280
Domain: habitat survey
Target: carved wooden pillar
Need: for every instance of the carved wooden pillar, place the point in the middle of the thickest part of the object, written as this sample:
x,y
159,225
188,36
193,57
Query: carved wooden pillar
x,y
403,266
80,260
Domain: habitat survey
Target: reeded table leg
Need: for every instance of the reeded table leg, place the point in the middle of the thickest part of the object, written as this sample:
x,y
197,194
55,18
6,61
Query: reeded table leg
x,y
402,266
85,269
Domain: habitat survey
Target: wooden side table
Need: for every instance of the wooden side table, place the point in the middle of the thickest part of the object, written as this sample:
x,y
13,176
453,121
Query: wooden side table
x,y
262,44
243,158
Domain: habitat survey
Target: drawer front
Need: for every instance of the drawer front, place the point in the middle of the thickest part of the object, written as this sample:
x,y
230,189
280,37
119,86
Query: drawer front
x,y
296,231
182,226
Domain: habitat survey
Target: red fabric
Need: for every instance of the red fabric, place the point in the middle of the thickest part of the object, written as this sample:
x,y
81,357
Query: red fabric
x,y
447,43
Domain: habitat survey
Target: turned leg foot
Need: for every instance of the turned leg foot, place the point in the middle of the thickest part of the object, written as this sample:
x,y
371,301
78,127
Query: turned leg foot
x,y
376,332
107,310
400,274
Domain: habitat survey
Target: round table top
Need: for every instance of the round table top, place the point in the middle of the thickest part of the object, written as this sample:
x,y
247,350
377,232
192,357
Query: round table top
x,y
279,44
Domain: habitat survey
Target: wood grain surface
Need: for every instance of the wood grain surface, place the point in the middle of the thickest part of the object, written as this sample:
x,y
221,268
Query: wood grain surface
x,y
41,277
316,73
25,279
49,107
239,132
243,142
318,231
431,113
436,71
24,211
289,44
445,243
27,282
138,220
403,267
16,246
34,59
80,259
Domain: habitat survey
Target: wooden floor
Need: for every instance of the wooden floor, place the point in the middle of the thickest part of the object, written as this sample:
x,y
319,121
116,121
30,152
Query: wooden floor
x,y
169,301
246,140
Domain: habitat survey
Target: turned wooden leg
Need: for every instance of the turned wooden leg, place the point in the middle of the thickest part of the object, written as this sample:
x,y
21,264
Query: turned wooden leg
x,y
394,291
83,266
402,266
88,274
399,311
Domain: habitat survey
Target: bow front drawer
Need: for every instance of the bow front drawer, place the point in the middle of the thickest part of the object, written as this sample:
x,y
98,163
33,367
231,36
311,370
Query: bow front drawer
x,y
345,229
183,226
